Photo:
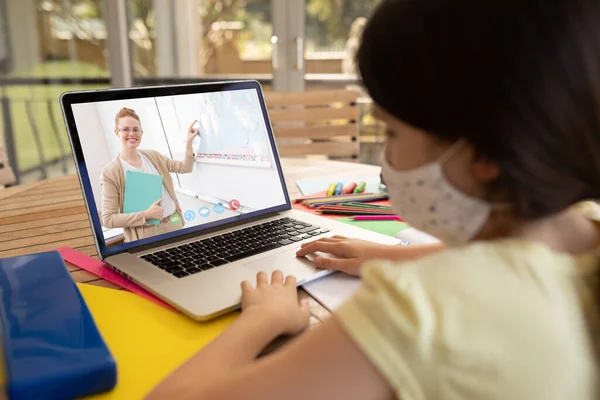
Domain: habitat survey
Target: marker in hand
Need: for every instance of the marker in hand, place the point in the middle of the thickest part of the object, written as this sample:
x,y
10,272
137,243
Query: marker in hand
x,y
192,132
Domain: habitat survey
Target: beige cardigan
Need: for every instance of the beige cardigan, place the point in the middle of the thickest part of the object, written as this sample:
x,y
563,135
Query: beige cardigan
x,y
112,181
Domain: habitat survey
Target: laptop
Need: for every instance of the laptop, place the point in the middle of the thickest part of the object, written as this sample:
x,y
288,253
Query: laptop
x,y
233,216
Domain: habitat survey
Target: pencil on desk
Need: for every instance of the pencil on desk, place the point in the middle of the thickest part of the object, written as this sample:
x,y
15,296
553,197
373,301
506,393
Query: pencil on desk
x,y
320,203
363,205
343,212
374,211
360,198
377,218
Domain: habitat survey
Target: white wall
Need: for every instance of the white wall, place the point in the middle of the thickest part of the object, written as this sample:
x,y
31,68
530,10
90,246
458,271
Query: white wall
x,y
94,144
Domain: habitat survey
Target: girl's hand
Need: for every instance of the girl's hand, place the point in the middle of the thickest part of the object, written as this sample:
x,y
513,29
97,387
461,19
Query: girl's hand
x,y
278,300
351,253
192,132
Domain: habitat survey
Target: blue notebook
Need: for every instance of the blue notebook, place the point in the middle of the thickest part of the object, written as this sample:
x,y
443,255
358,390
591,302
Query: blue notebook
x,y
141,191
51,346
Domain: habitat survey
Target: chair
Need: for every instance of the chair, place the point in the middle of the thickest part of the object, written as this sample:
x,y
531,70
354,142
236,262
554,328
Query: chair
x,y
7,176
315,123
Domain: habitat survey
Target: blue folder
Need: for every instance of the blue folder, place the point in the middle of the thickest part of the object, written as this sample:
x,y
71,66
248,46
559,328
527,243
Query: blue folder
x,y
51,346
141,191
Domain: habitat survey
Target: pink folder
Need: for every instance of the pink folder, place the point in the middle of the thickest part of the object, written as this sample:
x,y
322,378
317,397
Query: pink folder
x,y
98,268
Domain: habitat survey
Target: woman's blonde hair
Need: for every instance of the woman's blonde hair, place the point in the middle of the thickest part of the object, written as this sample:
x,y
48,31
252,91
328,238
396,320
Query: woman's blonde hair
x,y
126,112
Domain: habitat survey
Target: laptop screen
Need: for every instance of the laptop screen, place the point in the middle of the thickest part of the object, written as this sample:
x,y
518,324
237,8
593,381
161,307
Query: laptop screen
x,y
162,166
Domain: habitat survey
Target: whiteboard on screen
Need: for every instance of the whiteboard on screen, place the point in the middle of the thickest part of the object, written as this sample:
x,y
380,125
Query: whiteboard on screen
x,y
231,124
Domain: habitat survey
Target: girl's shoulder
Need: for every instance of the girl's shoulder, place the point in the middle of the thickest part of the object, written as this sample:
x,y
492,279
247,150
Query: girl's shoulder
x,y
474,312
589,209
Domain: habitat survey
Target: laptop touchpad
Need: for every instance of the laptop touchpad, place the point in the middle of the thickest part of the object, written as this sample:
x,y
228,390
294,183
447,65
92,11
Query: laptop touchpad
x,y
287,262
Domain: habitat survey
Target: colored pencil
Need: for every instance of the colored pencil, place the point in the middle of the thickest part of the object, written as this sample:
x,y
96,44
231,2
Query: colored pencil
x,y
346,197
377,218
316,204
339,212
361,209
352,212
342,199
361,198
364,205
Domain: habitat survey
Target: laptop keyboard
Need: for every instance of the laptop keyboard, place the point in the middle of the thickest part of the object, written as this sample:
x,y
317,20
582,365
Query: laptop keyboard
x,y
205,254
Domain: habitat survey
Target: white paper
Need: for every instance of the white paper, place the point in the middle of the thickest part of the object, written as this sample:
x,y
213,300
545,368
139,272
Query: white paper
x,y
111,233
413,236
333,290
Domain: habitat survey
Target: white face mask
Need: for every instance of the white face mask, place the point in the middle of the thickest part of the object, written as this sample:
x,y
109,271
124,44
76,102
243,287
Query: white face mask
x,y
425,199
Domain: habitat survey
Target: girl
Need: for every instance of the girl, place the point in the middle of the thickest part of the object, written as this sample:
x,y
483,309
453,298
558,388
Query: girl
x,y
493,116
128,129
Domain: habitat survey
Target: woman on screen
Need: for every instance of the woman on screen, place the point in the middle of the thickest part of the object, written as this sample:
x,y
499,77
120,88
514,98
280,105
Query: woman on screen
x,y
128,129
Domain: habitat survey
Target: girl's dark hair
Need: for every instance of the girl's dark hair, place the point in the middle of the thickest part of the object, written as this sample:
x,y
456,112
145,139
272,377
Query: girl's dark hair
x,y
519,79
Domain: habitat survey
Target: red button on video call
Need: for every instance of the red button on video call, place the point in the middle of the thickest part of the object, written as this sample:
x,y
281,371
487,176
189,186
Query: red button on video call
x,y
234,204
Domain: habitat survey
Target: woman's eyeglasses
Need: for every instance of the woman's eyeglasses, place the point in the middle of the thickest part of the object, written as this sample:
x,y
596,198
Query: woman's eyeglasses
x,y
127,130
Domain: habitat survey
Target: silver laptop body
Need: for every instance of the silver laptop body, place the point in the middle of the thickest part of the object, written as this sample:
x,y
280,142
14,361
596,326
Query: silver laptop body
x,y
198,269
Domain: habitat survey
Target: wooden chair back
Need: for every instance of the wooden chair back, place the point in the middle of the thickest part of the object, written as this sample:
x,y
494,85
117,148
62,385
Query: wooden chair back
x,y
315,123
7,176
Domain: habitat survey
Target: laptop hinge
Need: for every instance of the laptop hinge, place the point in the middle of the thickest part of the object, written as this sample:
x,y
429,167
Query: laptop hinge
x,y
193,235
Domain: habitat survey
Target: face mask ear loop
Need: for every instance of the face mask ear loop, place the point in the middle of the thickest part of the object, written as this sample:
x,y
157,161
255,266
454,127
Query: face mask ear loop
x,y
451,151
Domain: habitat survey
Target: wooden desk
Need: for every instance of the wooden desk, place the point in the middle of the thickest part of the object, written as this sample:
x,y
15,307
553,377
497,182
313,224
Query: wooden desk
x,y
44,215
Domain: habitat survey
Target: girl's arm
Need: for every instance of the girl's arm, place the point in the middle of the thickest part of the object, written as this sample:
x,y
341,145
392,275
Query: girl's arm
x,y
322,363
111,217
